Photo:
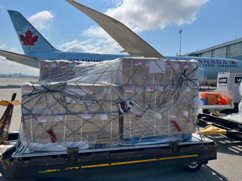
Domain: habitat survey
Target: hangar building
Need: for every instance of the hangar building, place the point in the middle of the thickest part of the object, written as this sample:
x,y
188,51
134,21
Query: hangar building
x,y
231,49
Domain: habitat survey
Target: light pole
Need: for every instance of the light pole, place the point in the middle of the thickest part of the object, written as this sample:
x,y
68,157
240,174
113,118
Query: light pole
x,y
180,32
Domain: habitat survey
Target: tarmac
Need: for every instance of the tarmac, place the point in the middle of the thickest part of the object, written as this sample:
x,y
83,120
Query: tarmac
x,y
226,167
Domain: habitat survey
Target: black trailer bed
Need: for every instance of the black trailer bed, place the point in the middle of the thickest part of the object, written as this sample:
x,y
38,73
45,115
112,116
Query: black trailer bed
x,y
73,162
234,129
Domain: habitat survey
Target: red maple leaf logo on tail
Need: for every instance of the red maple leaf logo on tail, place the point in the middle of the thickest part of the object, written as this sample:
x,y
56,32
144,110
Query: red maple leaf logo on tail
x,y
233,62
29,39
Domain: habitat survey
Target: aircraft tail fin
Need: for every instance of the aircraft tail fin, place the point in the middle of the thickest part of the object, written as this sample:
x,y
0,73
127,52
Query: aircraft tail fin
x,y
31,40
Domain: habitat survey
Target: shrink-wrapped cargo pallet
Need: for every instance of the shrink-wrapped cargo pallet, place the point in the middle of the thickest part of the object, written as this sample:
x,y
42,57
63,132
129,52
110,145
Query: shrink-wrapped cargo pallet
x,y
127,101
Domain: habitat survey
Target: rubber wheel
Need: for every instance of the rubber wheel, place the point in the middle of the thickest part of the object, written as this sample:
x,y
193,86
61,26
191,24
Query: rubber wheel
x,y
193,168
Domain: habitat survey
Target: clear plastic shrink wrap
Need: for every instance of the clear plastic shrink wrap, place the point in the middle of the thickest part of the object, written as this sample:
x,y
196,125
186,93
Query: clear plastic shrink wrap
x,y
123,102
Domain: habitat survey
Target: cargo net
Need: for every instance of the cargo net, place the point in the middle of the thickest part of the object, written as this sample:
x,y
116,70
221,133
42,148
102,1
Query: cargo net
x,y
123,102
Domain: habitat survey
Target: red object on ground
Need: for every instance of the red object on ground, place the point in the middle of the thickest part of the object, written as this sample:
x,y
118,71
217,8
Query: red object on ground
x,y
52,136
177,126
200,88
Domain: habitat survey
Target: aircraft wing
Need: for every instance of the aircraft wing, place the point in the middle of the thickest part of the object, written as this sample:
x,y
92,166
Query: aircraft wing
x,y
15,56
131,42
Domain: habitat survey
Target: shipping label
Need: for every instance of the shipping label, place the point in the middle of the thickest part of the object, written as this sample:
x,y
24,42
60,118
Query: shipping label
x,y
139,62
173,115
87,116
129,89
27,89
41,119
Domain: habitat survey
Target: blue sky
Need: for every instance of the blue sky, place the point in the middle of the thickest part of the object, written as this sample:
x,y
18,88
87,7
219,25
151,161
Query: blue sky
x,y
205,23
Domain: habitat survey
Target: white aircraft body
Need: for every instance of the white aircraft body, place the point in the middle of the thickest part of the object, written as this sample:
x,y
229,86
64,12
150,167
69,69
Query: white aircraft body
x,y
37,48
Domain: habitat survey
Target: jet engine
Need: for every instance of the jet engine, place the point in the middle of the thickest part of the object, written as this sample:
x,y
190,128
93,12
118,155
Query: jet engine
x,y
202,76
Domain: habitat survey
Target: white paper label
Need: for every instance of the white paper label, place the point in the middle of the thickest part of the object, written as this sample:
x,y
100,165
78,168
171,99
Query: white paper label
x,y
173,115
68,100
194,65
157,66
129,89
53,65
27,89
176,65
87,116
58,118
185,113
188,89
159,116
138,90
107,90
41,119
160,88
103,117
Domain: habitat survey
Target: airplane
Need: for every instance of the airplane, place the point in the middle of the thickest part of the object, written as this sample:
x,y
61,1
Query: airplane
x,y
37,48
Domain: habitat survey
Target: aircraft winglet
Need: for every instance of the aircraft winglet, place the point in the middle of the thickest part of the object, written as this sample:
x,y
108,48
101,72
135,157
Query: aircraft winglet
x,y
130,41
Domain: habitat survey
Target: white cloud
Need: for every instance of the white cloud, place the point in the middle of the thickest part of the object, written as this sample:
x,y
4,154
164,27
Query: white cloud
x,y
1,7
91,45
3,46
156,14
13,67
42,20
138,15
